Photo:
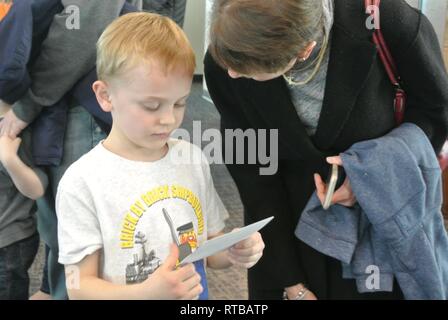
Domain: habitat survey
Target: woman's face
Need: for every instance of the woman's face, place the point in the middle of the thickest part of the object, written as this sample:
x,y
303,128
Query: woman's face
x,y
262,76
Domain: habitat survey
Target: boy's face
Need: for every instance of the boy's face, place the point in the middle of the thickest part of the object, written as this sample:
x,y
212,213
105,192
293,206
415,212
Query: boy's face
x,y
147,105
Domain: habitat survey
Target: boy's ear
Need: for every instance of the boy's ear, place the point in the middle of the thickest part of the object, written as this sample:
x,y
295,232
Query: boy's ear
x,y
101,90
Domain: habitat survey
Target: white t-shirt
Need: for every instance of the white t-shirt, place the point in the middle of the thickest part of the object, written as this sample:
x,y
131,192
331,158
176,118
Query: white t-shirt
x,y
134,210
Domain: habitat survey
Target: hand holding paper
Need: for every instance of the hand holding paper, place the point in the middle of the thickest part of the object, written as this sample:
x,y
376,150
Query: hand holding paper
x,y
247,245
246,253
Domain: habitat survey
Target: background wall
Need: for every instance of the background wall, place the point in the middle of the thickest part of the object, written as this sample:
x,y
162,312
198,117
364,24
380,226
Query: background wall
x,y
194,27
435,10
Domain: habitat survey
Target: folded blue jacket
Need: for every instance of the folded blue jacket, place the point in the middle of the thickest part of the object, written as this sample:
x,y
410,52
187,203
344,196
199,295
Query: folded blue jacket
x,y
396,229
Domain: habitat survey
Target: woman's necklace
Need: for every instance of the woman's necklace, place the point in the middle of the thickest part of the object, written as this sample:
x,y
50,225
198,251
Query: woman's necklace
x,y
290,79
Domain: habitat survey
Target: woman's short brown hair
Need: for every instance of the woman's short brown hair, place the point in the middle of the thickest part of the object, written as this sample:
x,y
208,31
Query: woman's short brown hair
x,y
251,36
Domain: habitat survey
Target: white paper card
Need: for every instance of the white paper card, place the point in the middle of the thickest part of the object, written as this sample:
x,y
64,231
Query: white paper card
x,y
210,247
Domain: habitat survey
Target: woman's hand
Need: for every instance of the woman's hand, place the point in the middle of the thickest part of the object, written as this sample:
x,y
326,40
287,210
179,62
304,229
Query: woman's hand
x,y
343,196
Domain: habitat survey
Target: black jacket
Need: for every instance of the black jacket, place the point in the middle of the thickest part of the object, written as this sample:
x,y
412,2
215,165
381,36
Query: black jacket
x,y
358,105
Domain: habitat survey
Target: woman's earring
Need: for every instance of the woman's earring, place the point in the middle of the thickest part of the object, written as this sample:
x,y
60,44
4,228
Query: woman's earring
x,y
302,59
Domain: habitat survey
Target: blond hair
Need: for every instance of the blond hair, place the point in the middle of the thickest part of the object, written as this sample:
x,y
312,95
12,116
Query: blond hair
x,y
262,36
140,37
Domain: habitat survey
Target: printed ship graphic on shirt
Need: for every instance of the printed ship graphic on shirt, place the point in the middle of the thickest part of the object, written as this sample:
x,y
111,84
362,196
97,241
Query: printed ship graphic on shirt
x,y
140,269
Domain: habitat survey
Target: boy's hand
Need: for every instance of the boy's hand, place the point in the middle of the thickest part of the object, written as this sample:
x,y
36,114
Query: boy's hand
x,y
169,282
246,253
8,148
11,125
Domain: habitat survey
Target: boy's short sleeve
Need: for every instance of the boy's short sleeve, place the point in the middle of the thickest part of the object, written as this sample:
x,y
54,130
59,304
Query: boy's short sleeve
x,y
79,232
215,210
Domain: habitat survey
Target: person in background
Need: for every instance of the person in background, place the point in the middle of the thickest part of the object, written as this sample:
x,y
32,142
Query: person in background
x,y
53,74
21,183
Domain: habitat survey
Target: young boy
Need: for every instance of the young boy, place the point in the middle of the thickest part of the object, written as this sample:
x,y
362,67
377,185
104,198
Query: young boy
x,y
122,206
20,184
